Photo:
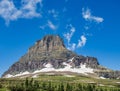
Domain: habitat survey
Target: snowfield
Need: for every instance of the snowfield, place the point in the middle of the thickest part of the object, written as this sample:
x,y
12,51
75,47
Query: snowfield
x,y
20,74
49,68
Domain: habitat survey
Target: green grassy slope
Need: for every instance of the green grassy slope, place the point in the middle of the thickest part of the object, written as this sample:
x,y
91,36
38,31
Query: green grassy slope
x,y
59,83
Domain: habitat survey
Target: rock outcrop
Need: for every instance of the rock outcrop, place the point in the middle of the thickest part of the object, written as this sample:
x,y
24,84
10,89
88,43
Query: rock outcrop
x,y
50,49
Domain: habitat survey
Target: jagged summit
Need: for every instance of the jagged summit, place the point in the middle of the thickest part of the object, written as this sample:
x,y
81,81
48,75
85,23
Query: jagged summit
x,y
48,48
50,43
51,51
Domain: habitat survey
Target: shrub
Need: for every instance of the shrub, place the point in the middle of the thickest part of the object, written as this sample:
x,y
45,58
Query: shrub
x,y
28,85
0,85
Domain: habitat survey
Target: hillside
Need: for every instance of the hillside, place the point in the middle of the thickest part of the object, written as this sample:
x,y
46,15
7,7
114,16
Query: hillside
x,y
49,54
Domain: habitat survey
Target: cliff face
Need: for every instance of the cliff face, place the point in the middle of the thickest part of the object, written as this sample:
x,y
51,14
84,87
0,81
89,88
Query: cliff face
x,y
50,49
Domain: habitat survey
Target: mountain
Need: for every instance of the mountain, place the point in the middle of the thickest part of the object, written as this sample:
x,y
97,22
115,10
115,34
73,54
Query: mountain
x,y
50,55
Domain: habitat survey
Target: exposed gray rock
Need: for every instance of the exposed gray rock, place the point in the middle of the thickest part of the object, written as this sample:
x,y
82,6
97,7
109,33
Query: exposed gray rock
x,y
51,49
109,74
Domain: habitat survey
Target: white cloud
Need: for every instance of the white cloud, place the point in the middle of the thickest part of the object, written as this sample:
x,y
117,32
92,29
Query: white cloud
x,y
29,8
86,27
54,13
43,27
82,41
10,12
48,24
86,13
72,46
69,35
51,25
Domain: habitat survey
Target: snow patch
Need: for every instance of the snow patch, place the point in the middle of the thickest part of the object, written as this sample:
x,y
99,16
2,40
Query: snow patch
x,y
20,74
48,65
8,76
102,77
83,66
67,65
34,76
70,60
49,68
83,69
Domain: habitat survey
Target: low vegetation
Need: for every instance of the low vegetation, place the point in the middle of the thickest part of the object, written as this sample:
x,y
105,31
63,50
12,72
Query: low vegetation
x,y
58,83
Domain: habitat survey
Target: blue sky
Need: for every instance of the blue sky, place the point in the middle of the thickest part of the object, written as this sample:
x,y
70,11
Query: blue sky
x,y
88,27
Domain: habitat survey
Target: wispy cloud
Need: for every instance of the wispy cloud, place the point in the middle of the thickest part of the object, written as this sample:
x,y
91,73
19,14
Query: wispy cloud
x,y
29,8
69,35
82,41
10,12
86,27
72,46
54,13
86,13
43,27
51,25
48,24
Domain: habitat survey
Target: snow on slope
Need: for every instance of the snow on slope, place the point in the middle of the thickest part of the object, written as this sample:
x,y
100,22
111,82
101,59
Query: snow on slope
x,y
82,69
102,77
48,65
20,74
8,76
49,68
70,60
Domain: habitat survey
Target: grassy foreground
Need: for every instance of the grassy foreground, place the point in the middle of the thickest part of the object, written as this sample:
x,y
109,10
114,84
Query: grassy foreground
x,y
59,83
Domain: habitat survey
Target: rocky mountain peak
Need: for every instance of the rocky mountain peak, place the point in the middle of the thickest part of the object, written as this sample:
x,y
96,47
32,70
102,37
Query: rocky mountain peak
x,y
50,43
50,50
